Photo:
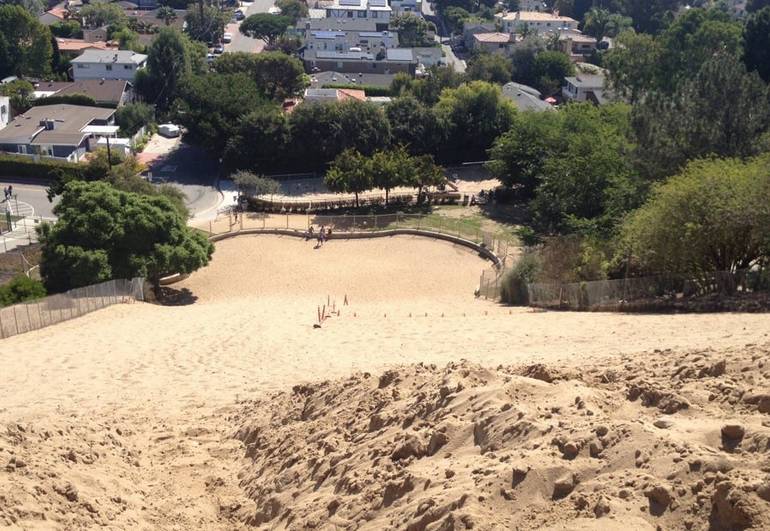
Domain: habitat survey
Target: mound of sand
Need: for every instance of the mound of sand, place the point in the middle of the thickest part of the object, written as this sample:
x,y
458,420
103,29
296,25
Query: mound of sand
x,y
676,440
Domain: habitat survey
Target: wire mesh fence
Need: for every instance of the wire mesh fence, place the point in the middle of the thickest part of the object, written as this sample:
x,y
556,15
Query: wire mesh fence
x,y
611,295
34,315
502,244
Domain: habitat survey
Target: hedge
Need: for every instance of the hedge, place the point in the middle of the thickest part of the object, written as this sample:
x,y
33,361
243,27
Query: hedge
x,y
370,90
49,170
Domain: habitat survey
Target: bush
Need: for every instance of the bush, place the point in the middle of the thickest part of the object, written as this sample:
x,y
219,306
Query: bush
x,y
370,90
20,289
514,286
71,99
49,170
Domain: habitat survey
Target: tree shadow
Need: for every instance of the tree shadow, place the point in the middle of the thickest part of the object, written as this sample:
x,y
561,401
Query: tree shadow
x,y
175,297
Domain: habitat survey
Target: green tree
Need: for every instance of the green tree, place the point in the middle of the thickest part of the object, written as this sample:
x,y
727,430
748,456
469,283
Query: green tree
x,y
128,40
390,169
550,69
518,156
714,216
170,59
102,233
235,63
210,106
493,68
68,29
634,65
253,185
207,24
426,174
523,60
293,9
456,17
723,111
412,30
21,288
428,89
756,43
324,130
133,116
350,173
261,141
587,184
475,114
415,125
25,44
265,26
98,14
166,14
280,76
19,91
600,23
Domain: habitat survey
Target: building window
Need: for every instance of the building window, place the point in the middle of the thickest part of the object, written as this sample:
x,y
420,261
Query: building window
x,y
127,67
374,14
350,14
362,14
109,67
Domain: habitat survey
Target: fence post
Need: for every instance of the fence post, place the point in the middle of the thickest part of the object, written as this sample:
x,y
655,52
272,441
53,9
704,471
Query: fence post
x,y
15,319
287,220
29,319
2,329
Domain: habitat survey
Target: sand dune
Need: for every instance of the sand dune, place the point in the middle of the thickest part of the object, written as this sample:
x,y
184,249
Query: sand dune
x,y
171,376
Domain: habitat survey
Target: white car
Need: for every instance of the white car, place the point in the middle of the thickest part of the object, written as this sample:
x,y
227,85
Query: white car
x,y
169,130
227,38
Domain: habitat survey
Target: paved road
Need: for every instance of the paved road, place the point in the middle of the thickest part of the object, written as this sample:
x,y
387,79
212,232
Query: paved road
x,y
442,36
242,43
32,193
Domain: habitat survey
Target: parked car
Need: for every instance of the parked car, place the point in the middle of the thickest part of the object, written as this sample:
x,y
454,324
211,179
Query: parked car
x,y
227,38
219,49
239,15
169,130
210,57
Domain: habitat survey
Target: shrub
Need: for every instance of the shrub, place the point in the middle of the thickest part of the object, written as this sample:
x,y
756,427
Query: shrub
x,y
370,90
514,286
50,170
72,99
20,289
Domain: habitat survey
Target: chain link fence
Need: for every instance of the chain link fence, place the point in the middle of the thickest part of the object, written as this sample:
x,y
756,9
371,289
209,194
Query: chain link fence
x,y
503,245
613,295
34,315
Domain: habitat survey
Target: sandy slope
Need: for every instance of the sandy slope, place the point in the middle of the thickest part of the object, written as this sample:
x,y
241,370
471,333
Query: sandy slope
x,y
168,377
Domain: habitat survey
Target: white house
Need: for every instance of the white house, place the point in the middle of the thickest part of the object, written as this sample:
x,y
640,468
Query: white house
x,y
107,64
586,87
535,21
377,10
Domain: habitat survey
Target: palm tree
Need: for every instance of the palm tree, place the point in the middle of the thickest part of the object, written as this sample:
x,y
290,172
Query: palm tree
x,y
166,14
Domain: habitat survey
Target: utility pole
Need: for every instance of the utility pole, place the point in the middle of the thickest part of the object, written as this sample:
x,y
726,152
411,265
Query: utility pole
x,y
109,153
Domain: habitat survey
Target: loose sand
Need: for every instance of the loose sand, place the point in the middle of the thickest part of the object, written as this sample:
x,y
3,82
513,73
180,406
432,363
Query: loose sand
x,y
134,406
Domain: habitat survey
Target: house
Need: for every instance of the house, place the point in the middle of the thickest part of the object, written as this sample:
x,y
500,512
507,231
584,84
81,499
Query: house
x,y
53,16
587,87
388,61
57,131
112,92
345,40
325,95
406,6
577,45
525,97
495,42
5,111
324,79
428,56
71,48
107,64
376,10
472,28
535,21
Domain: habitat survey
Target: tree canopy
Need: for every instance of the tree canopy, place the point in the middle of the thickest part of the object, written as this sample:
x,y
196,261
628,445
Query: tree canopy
x,y
412,30
207,24
756,38
714,216
102,233
493,68
25,44
265,26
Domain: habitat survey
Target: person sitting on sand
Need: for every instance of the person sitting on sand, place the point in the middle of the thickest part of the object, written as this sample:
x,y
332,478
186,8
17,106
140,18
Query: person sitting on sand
x,y
310,232
328,233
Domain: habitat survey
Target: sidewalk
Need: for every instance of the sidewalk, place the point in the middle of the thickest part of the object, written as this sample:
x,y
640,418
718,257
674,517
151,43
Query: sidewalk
x,y
23,233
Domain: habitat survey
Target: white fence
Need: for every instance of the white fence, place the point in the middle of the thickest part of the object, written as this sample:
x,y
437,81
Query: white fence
x,y
34,315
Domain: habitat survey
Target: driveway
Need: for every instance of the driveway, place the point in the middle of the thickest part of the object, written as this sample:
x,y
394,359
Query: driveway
x,y
186,167
31,197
